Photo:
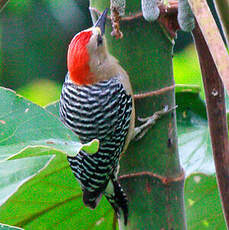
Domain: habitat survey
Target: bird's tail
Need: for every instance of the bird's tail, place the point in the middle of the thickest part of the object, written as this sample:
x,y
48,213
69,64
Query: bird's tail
x,y
117,198
91,199
96,184
93,185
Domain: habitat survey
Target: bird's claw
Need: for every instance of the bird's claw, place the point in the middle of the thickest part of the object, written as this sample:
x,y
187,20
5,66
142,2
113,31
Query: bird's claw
x,y
140,131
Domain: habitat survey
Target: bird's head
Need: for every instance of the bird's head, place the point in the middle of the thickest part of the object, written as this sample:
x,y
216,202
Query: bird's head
x,y
87,53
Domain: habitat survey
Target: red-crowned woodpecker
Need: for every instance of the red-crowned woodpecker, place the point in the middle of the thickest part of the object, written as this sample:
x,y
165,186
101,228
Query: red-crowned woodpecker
x,y
97,103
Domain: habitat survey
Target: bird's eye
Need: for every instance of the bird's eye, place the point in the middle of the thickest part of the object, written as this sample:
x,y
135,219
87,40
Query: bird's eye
x,y
99,40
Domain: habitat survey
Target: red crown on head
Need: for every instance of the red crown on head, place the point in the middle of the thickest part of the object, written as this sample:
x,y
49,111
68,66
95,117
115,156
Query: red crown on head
x,y
78,59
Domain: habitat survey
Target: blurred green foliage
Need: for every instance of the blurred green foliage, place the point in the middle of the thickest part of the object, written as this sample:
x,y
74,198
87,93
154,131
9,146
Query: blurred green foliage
x,y
34,36
186,68
186,71
34,39
41,91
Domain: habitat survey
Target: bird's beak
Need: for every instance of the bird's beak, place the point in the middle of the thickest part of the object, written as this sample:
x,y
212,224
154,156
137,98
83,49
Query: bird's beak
x,y
102,21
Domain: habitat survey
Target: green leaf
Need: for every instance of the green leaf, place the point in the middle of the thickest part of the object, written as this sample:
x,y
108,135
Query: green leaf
x,y
14,173
8,227
24,124
53,108
193,134
54,194
202,202
53,199
92,147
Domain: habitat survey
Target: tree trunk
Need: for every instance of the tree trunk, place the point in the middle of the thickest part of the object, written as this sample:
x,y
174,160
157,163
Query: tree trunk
x,y
150,171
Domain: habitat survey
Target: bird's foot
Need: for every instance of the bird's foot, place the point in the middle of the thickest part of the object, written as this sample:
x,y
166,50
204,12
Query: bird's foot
x,y
140,131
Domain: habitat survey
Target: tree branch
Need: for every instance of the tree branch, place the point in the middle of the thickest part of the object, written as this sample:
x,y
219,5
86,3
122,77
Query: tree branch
x,y
213,39
215,101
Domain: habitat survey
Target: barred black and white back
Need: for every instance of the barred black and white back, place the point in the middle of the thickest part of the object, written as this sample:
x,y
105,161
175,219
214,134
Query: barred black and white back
x,y
100,111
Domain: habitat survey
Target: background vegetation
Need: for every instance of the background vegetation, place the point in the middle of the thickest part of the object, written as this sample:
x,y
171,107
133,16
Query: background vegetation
x,y
34,40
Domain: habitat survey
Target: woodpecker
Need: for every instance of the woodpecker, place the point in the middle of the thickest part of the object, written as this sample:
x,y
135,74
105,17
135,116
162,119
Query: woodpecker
x,y
97,103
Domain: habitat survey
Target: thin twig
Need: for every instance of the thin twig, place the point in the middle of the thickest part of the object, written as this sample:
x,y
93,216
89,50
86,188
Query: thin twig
x,y
154,93
163,179
115,19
